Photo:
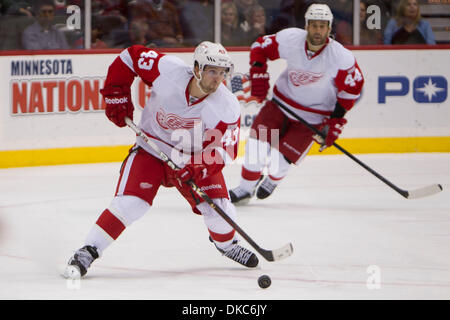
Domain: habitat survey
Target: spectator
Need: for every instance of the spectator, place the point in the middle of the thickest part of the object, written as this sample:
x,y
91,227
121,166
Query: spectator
x,y
60,7
407,27
111,8
385,7
43,35
272,8
97,36
164,29
343,21
232,34
197,21
367,36
15,16
285,18
243,6
256,22
137,33
344,30
15,8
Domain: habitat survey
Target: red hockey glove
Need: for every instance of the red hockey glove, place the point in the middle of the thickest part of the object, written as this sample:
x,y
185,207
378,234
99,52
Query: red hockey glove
x,y
118,104
331,129
259,81
192,172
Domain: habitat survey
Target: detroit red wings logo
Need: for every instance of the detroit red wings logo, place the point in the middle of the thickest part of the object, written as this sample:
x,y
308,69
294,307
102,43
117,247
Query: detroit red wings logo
x,y
173,121
303,78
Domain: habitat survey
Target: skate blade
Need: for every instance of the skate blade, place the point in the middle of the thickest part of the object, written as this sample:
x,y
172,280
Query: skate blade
x,y
242,202
71,272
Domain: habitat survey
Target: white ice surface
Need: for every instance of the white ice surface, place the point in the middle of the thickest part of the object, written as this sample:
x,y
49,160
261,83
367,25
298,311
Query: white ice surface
x,y
339,218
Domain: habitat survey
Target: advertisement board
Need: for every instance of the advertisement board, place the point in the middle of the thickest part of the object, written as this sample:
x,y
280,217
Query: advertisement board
x,y
52,111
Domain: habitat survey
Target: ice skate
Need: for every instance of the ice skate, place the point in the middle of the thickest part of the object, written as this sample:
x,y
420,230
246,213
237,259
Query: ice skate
x,y
240,196
266,188
239,254
80,262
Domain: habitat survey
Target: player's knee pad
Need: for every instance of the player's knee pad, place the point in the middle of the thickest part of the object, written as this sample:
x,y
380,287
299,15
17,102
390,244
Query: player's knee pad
x,y
128,208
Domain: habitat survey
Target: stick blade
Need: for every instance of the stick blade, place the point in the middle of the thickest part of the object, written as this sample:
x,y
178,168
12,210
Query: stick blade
x,y
277,254
424,192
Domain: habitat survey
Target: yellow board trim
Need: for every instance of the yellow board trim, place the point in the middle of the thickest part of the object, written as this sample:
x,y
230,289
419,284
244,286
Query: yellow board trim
x,y
58,156
382,145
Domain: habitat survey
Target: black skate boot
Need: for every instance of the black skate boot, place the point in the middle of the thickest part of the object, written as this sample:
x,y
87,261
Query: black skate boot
x,y
239,196
80,262
265,189
239,254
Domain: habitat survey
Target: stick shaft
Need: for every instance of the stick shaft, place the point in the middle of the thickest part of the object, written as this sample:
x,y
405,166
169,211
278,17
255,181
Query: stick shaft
x,y
404,193
268,255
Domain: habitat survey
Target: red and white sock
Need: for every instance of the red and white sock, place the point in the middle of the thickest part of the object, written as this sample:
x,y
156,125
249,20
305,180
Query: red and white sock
x,y
107,229
123,211
219,230
278,167
249,179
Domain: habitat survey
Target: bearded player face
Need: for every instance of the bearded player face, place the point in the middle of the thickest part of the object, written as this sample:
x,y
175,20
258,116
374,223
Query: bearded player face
x,y
318,32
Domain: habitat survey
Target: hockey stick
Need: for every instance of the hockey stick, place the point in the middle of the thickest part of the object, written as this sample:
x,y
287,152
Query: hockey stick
x,y
408,194
269,255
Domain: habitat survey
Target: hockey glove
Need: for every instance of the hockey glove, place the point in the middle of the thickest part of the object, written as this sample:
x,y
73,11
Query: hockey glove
x,y
259,81
331,129
192,172
118,104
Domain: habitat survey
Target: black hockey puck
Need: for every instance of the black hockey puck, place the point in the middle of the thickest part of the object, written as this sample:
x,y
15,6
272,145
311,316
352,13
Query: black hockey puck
x,y
264,281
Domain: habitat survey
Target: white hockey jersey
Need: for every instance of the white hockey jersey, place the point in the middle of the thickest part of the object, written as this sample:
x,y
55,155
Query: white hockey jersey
x,y
208,127
311,84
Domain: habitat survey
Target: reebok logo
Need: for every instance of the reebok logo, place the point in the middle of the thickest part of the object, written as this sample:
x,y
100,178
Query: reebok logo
x,y
291,148
211,186
116,100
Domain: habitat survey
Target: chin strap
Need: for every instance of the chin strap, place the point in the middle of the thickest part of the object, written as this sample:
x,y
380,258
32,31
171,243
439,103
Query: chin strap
x,y
198,79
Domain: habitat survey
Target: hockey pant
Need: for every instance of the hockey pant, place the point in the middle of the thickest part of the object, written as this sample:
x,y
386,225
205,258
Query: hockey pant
x,y
275,141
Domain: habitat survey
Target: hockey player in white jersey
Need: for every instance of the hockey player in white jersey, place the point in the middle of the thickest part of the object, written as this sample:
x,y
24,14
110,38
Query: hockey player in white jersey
x,y
320,84
195,120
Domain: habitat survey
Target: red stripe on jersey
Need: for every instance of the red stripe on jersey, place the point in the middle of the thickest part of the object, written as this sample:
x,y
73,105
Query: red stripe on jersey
x,y
250,175
264,48
186,93
296,105
119,74
350,81
317,52
111,224
221,237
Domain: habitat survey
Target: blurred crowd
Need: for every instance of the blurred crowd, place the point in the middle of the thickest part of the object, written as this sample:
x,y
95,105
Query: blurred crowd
x,y
41,24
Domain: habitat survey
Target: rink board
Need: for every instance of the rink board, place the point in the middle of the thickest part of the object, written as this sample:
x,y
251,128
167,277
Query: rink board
x,y
53,113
